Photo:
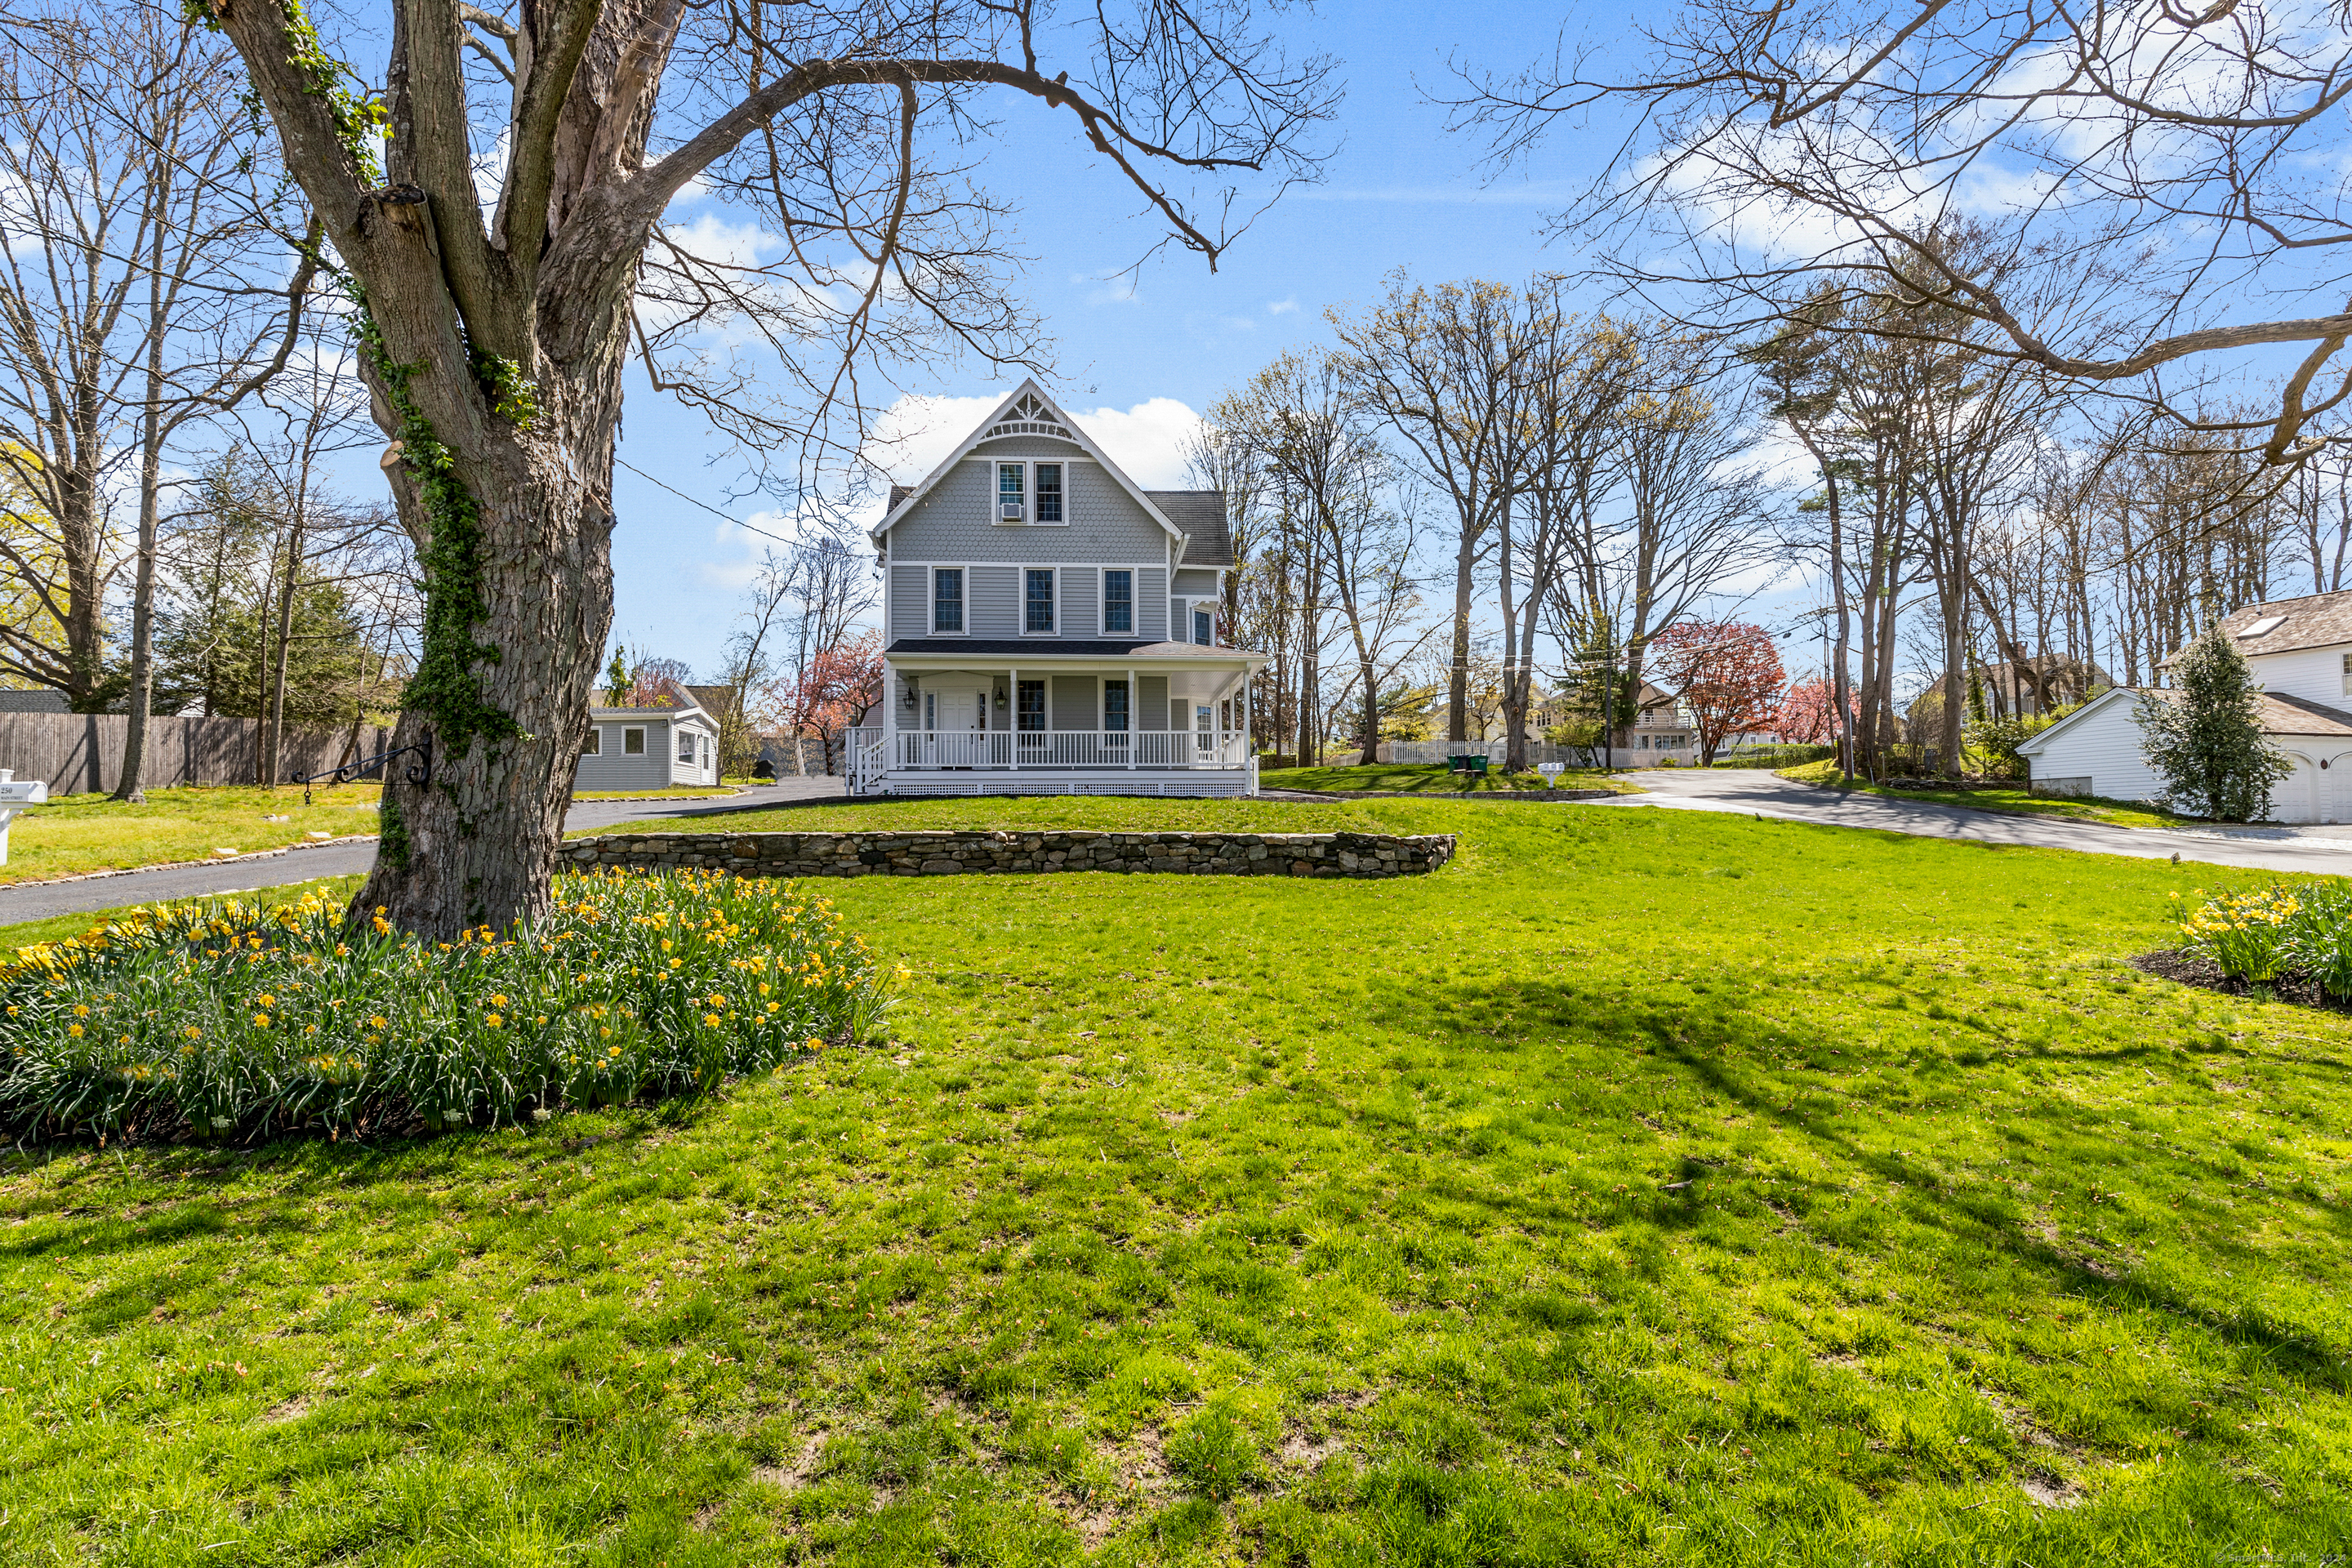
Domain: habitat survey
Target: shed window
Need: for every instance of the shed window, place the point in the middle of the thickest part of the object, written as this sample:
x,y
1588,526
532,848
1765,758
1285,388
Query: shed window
x,y
632,742
947,599
685,746
1118,601
594,744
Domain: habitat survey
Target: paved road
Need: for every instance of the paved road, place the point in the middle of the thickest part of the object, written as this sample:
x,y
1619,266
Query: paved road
x,y
44,900
1756,791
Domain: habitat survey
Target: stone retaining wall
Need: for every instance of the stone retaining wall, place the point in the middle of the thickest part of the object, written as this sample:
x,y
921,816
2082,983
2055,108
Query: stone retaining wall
x,y
936,854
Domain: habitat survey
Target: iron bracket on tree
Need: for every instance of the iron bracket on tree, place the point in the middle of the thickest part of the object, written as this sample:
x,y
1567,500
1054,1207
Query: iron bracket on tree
x,y
420,772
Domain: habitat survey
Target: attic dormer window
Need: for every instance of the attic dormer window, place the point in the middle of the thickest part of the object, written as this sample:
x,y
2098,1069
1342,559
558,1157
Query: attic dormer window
x,y
2263,627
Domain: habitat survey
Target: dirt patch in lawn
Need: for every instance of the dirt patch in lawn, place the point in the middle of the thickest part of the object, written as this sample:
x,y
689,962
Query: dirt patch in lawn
x,y
2188,969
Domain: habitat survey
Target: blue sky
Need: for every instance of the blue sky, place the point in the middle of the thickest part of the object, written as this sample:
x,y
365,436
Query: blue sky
x,y
1133,366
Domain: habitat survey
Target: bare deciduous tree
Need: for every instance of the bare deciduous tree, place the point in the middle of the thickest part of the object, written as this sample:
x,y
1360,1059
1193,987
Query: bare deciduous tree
x,y
135,300
494,341
2158,168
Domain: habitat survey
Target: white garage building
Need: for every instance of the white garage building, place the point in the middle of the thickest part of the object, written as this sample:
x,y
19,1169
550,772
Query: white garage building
x,y
2301,650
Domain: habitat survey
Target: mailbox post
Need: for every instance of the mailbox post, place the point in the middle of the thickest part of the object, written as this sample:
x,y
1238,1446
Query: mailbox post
x,y
14,798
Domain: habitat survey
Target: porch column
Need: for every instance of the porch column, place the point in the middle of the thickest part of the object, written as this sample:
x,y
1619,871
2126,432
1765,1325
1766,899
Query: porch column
x,y
1134,713
1013,690
890,718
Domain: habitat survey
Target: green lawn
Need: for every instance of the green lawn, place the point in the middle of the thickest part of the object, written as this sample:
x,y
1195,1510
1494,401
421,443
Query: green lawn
x,y
1431,778
2021,802
78,833
1645,1186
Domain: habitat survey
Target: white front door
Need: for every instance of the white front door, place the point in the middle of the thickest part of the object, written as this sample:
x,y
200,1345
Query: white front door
x,y
955,715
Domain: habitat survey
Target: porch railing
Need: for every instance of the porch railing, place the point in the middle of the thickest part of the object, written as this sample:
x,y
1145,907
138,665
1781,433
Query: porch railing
x,y
1015,748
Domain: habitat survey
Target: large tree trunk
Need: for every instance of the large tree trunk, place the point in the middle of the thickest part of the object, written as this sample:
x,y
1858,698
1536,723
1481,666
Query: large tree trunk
x,y
1458,683
476,845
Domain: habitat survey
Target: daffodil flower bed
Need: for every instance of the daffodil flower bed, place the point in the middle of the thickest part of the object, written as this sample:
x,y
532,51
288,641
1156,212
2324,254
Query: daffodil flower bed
x,y
231,1021
2302,931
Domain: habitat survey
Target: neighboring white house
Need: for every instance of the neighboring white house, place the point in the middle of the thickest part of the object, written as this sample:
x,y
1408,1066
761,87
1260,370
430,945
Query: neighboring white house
x,y
649,748
1049,627
2301,650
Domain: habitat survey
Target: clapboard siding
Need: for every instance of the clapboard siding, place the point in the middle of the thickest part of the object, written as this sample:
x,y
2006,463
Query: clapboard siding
x,y
993,601
1074,702
77,753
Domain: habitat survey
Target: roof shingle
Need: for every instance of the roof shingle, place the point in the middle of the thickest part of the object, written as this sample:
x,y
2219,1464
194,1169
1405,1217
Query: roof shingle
x,y
2317,620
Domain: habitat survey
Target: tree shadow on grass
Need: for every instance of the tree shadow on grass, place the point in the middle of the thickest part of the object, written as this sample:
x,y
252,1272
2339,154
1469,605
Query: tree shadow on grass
x,y
1760,1066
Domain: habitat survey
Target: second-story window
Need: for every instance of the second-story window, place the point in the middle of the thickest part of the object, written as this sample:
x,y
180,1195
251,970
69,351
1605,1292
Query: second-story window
x,y
1204,628
1012,491
1037,603
947,599
1118,601
1049,492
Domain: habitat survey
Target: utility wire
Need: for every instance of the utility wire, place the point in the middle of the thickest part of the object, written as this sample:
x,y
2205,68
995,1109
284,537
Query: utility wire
x,y
691,500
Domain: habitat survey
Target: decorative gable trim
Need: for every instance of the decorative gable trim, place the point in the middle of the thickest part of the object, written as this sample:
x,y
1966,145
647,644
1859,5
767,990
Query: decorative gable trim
x,y
1027,412
1030,415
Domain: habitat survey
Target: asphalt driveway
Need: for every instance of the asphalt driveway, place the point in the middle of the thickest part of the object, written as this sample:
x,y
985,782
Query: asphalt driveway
x,y
1758,792
41,901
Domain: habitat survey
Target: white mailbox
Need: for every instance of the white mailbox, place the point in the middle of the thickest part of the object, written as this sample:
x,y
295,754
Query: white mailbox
x,y
1552,772
14,798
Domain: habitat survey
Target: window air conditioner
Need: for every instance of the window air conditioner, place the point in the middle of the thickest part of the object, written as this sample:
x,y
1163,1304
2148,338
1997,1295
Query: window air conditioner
x,y
1009,511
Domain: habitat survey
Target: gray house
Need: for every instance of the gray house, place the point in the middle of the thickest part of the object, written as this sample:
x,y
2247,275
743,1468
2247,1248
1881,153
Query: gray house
x,y
1049,627
650,748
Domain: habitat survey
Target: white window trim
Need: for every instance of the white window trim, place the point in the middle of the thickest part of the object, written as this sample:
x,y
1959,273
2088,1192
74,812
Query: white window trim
x,y
1102,704
931,570
1028,467
593,746
1020,603
1134,602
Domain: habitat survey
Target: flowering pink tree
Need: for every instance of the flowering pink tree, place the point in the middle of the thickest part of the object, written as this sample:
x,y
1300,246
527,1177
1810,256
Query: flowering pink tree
x,y
1727,674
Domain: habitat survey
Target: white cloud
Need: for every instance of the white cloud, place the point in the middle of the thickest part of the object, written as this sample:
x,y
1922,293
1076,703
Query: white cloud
x,y
1146,440
1108,287
915,434
1282,307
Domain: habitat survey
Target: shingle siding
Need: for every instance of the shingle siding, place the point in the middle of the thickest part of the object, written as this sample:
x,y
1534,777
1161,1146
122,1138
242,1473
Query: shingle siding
x,y
952,523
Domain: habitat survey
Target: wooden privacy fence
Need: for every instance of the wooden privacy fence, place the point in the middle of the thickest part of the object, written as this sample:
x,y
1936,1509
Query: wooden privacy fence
x,y
82,752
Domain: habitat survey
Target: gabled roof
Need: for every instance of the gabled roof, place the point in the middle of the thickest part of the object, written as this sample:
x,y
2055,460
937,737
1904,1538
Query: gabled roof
x,y
683,702
2278,713
2316,620
1026,411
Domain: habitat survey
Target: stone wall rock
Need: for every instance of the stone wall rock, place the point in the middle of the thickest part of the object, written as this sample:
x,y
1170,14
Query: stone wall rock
x,y
905,853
